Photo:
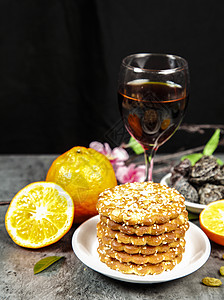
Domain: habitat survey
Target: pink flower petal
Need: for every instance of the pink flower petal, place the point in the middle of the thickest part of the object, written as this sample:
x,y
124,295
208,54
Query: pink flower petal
x,y
140,174
130,174
107,149
102,148
115,155
97,146
120,153
120,174
117,164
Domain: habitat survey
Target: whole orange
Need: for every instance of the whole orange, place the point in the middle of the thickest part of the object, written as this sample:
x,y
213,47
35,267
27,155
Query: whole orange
x,y
84,173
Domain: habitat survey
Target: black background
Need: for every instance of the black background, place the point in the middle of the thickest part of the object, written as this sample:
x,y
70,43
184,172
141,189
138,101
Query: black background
x,y
59,63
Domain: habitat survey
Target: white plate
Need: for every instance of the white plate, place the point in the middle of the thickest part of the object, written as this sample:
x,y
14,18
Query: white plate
x,y
197,251
192,207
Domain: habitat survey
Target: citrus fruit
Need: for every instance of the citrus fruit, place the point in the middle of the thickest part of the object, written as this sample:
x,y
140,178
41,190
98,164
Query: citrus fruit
x,y
84,173
212,221
39,215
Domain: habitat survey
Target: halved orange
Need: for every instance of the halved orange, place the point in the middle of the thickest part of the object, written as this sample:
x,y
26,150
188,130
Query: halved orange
x,y
212,221
39,215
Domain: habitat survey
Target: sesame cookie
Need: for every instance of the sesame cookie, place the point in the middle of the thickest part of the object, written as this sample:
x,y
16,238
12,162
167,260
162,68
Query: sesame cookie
x,y
140,258
143,203
152,240
154,229
144,269
145,250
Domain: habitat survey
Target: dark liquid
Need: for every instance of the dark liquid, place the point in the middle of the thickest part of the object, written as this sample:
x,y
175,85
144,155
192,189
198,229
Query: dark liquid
x,y
152,111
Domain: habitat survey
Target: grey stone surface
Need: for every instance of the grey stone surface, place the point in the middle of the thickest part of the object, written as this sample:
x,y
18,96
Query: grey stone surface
x,y
16,171
70,278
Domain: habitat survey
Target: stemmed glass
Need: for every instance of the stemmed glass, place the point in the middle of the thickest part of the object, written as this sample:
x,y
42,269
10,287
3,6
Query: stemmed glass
x,y
153,92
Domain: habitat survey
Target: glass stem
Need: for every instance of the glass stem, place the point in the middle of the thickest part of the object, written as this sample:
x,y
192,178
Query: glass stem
x,y
149,155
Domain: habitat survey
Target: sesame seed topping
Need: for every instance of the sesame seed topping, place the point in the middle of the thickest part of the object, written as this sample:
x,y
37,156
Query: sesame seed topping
x,y
140,202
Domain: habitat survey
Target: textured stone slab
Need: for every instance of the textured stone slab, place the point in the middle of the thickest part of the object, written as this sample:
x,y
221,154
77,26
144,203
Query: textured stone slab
x,y
70,278
16,171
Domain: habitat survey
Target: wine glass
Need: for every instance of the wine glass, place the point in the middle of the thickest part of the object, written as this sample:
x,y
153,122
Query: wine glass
x,y
153,92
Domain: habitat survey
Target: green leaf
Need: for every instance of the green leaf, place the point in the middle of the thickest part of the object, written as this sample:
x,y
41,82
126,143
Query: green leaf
x,y
44,263
212,143
194,157
136,147
219,161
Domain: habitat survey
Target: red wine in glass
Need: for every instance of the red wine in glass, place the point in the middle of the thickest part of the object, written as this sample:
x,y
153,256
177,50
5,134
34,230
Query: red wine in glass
x,y
152,107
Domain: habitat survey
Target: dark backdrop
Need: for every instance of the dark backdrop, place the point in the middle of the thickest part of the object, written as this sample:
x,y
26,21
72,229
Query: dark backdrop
x,y
59,61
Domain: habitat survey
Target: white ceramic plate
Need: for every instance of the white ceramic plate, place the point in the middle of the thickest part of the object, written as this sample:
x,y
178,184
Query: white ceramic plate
x,y
197,251
192,207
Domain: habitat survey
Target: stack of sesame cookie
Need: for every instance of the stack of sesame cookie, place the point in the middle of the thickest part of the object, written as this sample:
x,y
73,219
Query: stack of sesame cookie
x,y
142,228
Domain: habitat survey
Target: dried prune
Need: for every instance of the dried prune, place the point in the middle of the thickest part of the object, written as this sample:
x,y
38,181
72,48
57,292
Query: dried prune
x,y
183,167
210,192
186,189
202,183
203,166
204,170
174,177
219,177
180,170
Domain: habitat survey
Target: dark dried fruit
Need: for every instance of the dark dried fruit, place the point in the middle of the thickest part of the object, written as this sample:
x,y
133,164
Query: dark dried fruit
x,y
183,167
209,281
203,183
204,170
219,177
203,166
210,192
174,177
209,177
180,170
186,189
